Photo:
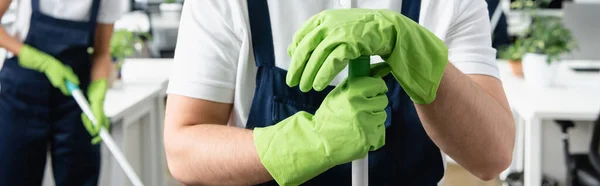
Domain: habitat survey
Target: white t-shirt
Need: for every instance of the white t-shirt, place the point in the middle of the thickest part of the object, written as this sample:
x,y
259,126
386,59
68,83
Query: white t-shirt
x,y
214,59
74,10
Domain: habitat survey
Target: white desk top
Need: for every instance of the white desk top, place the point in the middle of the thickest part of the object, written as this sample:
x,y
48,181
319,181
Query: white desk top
x,y
142,80
121,100
147,71
574,96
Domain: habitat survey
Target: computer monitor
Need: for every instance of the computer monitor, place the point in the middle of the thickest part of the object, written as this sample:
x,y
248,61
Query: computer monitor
x,y
554,4
583,19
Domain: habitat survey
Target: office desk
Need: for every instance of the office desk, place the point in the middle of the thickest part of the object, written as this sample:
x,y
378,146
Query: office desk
x,y
155,73
147,71
133,114
136,111
573,96
132,111
138,108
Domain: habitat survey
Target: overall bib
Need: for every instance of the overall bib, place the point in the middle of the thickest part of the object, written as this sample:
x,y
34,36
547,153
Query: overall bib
x,y
36,117
409,157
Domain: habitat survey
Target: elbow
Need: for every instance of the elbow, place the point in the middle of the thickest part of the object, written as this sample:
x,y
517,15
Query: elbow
x,y
492,167
499,158
179,167
175,168
179,173
177,161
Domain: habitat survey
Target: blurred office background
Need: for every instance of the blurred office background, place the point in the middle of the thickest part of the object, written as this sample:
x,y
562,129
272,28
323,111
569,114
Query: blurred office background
x,y
135,104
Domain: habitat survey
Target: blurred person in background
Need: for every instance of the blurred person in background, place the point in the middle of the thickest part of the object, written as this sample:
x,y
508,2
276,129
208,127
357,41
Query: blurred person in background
x,y
49,45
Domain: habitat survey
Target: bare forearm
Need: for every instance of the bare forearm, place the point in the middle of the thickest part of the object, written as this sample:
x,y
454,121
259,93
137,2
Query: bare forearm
x,y
470,125
6,41
101,65
210,154
9,43
101,59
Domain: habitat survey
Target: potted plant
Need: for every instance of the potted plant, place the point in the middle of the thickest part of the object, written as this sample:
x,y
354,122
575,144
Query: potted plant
x,y
123,44
547,40
170,6
513,54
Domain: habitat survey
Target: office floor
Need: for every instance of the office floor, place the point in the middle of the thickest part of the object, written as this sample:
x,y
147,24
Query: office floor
x,y
458,176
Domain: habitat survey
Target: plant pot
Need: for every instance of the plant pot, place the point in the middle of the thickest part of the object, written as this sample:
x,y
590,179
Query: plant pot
x,y
537,71
170,7
170,11
516,67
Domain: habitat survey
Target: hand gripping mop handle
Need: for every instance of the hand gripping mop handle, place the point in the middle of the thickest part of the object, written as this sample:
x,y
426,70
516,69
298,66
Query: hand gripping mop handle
x,y
106,138
360,168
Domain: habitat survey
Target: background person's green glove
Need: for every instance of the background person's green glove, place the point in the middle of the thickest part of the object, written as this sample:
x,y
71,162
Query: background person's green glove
x,y
96,94
56,71
322,47
348,124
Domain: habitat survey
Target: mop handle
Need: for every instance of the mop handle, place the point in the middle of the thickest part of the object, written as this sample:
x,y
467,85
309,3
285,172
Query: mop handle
x,y
106,138
360,168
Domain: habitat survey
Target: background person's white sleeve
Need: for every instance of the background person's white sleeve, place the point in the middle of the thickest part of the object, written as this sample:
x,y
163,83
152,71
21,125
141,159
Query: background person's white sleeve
x,y
207,52
110,11
469,40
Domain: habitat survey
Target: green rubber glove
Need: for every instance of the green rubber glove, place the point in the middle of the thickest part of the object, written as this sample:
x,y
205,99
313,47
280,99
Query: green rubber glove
x,y
322,47
96,94
56,71
348,124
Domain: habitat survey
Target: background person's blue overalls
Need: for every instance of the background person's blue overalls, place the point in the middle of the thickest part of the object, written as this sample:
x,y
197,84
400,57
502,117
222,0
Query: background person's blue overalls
x,y
409,157
36,117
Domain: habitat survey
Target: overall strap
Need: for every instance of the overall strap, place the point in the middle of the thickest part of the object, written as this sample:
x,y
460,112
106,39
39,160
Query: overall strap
x,y
94,13
93,21
411,9
35,9
260,29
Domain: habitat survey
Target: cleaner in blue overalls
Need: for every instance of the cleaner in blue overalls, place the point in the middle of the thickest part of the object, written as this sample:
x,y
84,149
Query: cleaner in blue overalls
x,y
293,127
49,46
320,50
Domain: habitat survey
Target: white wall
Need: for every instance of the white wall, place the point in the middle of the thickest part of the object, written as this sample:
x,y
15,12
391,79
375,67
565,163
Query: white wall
x,y
553,163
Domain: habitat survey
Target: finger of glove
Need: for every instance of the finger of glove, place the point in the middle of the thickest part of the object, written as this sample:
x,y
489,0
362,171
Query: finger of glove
x,y
372,125
301,55
103,122
326,66
63,89
70,75
367,87
106,123
307,27
58,82
98,111
380,69
89,126
96,140
372,104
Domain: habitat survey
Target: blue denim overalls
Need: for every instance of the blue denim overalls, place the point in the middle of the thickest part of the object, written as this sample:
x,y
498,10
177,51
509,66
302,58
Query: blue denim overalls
x,y
36,117
409,157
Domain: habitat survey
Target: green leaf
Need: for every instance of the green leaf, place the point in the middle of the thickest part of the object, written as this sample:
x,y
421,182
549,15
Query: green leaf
x,y
122,43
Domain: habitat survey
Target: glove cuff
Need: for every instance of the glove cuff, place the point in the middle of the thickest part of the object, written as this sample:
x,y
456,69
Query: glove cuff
x,y
97,90
292,157
30,57
407,57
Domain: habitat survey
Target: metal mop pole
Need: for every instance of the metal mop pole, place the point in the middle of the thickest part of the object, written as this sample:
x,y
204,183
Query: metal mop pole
x,y
360,168
106,137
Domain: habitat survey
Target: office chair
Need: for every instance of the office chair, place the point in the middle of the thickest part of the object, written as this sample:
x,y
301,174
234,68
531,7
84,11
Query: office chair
x,y
582,169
